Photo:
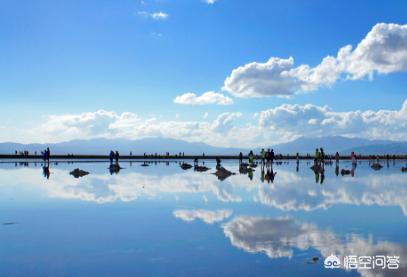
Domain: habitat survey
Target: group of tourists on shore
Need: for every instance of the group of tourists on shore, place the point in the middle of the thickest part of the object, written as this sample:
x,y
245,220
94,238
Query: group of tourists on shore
x,y
265,156
46,154
114,155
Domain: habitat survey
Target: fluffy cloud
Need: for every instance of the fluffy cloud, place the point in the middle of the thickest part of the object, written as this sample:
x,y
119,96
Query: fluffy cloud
x,y
312,120
293,192
276,125
224,122
155,15
208,97
128,125
276,237
280,237
206,216
382,51
262,79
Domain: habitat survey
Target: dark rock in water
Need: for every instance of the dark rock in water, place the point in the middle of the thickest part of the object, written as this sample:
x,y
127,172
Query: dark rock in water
x,y
244,164
144,164
185,166
253,165
376,166
78,173
245,169
345,172
317,168
9,223
222,173
200,168
404,169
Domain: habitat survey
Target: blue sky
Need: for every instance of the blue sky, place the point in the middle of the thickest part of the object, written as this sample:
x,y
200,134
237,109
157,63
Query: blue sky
x,y
73,57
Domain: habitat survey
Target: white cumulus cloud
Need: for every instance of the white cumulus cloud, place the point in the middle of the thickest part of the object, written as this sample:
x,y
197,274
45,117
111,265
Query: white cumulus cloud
x,y
382,51
282,237
206,216
230,129
313,120
209,97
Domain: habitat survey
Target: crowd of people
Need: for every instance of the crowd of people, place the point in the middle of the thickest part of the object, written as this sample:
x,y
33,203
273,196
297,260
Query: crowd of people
x,y
266,158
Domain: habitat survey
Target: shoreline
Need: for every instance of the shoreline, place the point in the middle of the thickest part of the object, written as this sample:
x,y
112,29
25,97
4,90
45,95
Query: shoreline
x,y
188,157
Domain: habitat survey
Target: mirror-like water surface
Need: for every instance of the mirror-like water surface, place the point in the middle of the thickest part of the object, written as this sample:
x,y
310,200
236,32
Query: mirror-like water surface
x,y
162,220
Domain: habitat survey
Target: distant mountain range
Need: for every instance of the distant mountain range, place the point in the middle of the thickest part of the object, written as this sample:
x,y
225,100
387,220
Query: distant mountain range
x,y
161,145
103,146
343,145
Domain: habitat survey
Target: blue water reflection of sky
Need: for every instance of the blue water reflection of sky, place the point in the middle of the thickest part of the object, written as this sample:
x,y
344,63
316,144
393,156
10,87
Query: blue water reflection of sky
x,y
161,219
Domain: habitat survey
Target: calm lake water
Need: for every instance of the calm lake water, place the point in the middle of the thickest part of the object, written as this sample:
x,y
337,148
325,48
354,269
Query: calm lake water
x,y
162,220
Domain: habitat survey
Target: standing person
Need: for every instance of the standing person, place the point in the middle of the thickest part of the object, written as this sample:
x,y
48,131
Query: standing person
x,y
317,156
218,162
353,158
111,156
116,156
272,156
48,154
268,156
263,155
322,155
297,157
251,157
337,158
240,157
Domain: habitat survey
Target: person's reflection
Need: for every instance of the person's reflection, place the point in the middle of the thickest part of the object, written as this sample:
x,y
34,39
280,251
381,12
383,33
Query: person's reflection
x,y
316,176
114,168
297,168
250,174
262,175
337,169
45,170
270,175
352,172
320,176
